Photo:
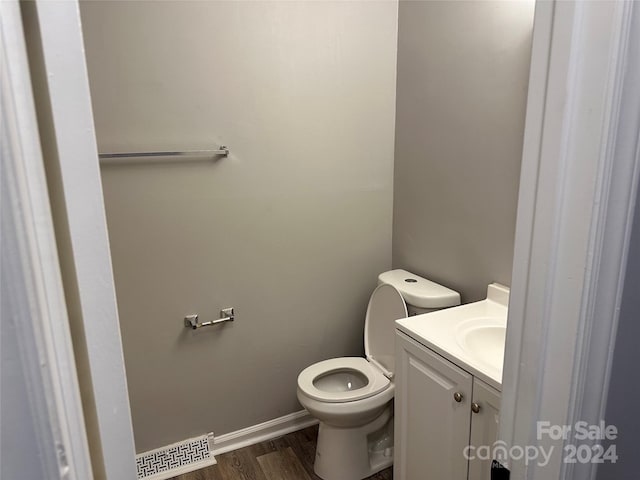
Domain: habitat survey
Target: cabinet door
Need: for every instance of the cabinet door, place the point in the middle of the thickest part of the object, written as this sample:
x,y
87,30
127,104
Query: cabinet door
x,y
484,427
431,427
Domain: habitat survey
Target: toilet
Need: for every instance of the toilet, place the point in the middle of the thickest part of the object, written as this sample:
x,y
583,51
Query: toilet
x,y
352,397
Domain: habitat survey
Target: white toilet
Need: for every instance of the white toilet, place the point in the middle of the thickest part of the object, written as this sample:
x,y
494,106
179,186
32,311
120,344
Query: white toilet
x,y
352,397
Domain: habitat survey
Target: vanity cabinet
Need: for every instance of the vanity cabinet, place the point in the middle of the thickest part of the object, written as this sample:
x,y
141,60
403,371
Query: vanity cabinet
x,y
484,426
434,421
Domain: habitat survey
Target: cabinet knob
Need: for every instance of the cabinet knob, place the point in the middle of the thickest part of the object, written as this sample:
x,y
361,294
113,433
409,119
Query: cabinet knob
x,y
475,408
457,397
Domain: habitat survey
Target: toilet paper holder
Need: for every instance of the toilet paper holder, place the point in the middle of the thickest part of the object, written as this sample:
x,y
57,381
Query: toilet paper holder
x,y
226,315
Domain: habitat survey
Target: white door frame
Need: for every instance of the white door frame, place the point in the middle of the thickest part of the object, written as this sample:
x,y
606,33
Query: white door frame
x,y
578,188
63,102
33,302
577,194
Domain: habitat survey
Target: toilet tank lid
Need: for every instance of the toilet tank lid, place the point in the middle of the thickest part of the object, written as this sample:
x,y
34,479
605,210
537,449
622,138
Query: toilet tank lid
x,y
418,291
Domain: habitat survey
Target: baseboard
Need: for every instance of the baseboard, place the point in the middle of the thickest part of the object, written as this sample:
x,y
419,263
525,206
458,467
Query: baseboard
x,y
199,452
261,432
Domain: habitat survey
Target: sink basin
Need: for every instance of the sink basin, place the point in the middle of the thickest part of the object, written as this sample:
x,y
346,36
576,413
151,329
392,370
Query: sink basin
x,y
471,336
483,338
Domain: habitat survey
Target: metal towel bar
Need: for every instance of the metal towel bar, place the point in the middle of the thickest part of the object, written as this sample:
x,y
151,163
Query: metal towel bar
x,y
222,151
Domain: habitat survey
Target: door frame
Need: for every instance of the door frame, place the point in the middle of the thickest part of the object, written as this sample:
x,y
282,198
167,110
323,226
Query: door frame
x,y
577,192
59,100
577,195
33,302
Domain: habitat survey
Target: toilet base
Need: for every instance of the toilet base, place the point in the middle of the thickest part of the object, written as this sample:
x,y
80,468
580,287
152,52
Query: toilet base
x,y
355,453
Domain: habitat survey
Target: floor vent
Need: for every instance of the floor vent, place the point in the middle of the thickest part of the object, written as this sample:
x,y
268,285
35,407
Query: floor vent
x,y
176,459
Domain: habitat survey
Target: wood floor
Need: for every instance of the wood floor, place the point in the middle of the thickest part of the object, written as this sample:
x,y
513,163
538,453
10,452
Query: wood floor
x,y
285,458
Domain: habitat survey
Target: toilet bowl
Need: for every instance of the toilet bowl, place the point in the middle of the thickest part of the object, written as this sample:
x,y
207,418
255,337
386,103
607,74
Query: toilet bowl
x,y
352,397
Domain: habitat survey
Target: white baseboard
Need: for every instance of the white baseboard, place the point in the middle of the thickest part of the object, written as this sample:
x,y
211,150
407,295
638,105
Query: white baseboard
x,y
155,470
261,432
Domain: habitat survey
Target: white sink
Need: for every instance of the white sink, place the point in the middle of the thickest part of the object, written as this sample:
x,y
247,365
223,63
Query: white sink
x,y
483,338
471,336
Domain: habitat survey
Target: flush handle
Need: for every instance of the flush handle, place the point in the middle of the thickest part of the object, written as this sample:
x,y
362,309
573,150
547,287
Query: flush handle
x,y
457,397
475,408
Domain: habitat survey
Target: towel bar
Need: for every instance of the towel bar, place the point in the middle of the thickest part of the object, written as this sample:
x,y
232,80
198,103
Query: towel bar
x,y
222,151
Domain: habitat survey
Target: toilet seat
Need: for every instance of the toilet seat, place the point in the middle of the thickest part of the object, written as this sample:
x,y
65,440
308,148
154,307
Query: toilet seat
x,y
375,371
376,381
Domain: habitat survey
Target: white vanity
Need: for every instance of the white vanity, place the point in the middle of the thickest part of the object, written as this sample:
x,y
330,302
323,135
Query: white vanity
x,y
448,383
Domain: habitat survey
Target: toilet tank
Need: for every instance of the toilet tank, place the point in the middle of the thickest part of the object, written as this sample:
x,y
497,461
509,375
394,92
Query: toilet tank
x,y
420,295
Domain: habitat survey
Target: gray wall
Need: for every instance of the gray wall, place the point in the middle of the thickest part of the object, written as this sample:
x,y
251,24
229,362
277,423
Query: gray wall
x,y
291,229
461,93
